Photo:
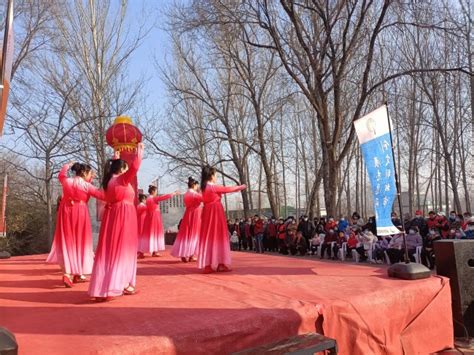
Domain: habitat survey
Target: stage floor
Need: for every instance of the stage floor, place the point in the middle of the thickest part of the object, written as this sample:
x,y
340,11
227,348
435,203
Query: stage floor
x,y
266,298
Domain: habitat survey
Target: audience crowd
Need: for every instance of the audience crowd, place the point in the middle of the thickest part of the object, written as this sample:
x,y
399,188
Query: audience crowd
x,y
350,238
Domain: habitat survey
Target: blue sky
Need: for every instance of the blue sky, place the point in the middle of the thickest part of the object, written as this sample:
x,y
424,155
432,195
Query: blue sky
x,y
154,49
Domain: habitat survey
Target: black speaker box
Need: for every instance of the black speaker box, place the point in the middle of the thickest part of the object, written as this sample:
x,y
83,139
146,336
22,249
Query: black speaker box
x,y
8,345
455,259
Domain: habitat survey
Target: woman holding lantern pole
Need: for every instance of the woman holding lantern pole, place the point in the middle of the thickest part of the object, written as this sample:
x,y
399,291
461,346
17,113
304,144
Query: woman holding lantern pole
x,y
153,238
115,265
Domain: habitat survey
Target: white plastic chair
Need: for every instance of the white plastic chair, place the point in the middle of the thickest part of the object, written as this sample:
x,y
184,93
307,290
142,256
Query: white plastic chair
x,y
417,255
370,252
343,251
355,255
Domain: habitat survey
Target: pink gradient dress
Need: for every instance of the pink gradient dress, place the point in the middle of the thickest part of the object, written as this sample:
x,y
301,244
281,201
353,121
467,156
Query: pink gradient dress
x,y
214,245
153,239
115,265
72,245
141,214
187,239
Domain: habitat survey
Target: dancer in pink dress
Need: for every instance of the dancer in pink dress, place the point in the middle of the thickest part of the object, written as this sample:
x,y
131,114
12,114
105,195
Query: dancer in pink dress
x,y
115,265
185,245
72,245
141,214
154,235
214,245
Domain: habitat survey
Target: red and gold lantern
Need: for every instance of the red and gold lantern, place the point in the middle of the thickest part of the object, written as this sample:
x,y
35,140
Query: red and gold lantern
x,y
123,135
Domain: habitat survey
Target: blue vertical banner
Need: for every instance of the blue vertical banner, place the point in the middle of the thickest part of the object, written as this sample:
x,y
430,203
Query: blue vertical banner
x,y
373,132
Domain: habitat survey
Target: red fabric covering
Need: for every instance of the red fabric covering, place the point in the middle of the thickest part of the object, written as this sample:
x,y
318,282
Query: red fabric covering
x,y
265,299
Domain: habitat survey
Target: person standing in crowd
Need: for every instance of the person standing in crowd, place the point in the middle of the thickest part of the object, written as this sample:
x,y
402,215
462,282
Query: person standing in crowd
x,y
185,245
141,215
236,228
272,235
258,231
72,244
214,247
234,241
154,240
115,264
242,235
307,228
282,247
248,234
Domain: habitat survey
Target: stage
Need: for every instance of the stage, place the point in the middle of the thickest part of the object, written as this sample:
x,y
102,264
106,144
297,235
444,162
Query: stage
x,y
266,298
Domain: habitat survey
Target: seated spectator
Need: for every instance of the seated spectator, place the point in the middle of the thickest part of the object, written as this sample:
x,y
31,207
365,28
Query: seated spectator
x,y
357,221
469,229
234,241
381,245
331,224
466,217
419,222
414,240
330,237
314,244
394,250
395,220
341,238
352,243
443,226
342,224
427,254
366,238
298,245
459,234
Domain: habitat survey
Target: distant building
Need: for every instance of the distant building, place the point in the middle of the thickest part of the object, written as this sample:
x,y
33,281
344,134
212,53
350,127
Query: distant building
x,y
172,211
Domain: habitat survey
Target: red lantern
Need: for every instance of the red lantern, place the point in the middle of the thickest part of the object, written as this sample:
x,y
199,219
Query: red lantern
x,y
123,135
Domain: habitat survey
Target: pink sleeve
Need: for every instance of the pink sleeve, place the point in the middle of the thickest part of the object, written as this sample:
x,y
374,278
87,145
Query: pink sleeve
x,y
62,176
162,197
128,176
227,189
95,192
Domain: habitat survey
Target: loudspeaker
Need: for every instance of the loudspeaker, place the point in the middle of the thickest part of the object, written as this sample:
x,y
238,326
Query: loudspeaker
x,y
8,345
455,259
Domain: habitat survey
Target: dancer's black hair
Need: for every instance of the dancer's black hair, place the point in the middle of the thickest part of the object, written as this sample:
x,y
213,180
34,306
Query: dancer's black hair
x,y
206,175
191,182
151,189
112,166
78,168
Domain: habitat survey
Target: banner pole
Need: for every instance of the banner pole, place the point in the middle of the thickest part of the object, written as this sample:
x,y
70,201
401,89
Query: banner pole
x,y
397,185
